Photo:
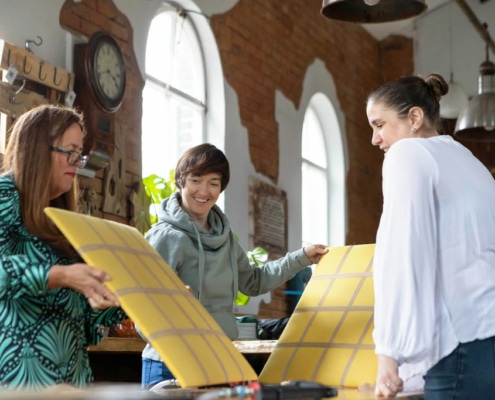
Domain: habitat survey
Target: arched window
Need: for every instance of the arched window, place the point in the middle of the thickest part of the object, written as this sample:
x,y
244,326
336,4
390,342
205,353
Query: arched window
x,y
174,96
314,180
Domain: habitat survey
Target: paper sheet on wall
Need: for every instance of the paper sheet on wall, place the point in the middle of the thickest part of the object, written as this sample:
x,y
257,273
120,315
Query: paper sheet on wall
x,y
328,337
188,339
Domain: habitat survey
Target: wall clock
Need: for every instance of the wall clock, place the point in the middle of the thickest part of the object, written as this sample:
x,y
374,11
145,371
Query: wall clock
x,y
100,81
106,71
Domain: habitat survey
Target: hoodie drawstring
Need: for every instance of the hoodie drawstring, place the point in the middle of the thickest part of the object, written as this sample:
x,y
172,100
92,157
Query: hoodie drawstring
x,y
201,266
233,265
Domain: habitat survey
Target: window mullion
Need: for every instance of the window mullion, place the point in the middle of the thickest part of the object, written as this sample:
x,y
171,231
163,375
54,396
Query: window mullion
x,y
177,93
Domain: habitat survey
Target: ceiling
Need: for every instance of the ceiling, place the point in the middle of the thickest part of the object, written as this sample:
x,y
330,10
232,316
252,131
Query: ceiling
x,y
403,27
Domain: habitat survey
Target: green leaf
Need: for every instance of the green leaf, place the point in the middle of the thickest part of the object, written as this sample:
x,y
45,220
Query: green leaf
x,y
153,219
242,299
258,256
158,189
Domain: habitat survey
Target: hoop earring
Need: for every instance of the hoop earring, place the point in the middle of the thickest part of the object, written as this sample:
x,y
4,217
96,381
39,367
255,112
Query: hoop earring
x,y
414,131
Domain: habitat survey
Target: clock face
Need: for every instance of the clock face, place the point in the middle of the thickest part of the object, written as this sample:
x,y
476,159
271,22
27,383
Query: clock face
x,y
110,72
106,71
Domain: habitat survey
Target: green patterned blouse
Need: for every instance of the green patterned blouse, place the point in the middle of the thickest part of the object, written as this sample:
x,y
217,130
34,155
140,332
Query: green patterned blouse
x,y
44,334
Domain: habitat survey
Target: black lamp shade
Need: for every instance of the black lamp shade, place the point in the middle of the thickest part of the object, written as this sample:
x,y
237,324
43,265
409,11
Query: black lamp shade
x,y
382,11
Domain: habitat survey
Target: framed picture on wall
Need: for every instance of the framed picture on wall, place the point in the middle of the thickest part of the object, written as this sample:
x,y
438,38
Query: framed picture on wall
x,y
267,217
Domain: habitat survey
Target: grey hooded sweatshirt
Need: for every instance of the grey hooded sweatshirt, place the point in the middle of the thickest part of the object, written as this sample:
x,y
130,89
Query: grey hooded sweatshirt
x,y
213,263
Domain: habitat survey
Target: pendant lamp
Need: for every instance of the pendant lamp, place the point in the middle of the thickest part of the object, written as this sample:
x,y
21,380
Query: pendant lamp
x,y
476,121
453,102
369,11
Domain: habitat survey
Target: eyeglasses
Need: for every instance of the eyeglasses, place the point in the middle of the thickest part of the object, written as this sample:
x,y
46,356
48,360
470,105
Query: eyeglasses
x,y
73,157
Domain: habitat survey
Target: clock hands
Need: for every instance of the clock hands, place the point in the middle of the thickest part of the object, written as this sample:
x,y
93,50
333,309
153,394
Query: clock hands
x,y
110,82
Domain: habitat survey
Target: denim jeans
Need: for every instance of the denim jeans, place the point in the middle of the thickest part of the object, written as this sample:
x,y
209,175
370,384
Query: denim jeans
x,y
154,372
468,373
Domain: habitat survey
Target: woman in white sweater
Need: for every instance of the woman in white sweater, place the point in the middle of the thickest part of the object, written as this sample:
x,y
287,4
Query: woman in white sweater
x,y
434,265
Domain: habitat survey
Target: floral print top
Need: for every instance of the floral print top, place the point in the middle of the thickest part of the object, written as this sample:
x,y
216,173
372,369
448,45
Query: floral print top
x,y
44,334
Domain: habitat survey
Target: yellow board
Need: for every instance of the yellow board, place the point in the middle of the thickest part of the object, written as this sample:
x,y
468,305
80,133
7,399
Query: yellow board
x,y
328,337
187,338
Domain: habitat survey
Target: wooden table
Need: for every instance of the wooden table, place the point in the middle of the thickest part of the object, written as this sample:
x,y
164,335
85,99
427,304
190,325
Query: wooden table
x,y
343,394
117,344
118,359
134,392
354,394
255,346
255,351
136,345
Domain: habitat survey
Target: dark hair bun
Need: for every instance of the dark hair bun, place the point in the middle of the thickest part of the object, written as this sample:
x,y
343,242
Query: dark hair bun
x,y
438,85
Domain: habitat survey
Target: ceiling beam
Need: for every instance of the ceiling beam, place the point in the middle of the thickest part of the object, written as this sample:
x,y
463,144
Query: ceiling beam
x,y
482,30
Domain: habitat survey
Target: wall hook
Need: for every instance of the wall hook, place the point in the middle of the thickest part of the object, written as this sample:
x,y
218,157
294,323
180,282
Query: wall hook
x,y
24,67
39,73
55,78
37,43
14,94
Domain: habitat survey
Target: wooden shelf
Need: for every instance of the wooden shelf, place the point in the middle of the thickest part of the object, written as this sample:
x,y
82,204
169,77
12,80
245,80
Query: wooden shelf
x,y
136,345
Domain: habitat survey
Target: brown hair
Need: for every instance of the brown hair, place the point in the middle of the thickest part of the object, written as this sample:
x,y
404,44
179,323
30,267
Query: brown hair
x,y
28,159
413,91
201,160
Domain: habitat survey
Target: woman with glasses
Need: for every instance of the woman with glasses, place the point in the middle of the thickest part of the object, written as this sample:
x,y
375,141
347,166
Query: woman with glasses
x,y
51,303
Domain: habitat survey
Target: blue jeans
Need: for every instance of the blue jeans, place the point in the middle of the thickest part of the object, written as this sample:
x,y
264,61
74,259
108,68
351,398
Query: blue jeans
x,y
154,372
468,373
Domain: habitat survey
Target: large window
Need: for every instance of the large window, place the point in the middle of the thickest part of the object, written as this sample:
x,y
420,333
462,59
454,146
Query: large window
x,y
174,97
314,180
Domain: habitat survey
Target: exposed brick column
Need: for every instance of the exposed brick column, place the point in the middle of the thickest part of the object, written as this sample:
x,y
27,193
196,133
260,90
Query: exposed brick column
x,y
83,19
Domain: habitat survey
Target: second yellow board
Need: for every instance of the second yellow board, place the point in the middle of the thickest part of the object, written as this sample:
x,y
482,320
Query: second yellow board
x,y
328,337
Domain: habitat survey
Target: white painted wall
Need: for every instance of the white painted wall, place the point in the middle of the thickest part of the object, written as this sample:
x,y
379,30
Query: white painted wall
x,y
446,34
21,20
316,81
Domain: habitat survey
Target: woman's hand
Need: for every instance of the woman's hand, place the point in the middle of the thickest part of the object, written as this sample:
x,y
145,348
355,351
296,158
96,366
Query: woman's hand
x,y
314,252
84,279
388,383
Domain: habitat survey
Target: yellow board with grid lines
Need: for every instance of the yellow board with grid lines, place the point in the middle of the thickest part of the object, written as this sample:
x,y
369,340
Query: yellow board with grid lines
x,y
188,339
328,337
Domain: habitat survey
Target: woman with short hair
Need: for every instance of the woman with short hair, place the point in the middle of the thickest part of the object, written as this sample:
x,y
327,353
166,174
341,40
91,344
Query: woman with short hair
x,y
193,235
